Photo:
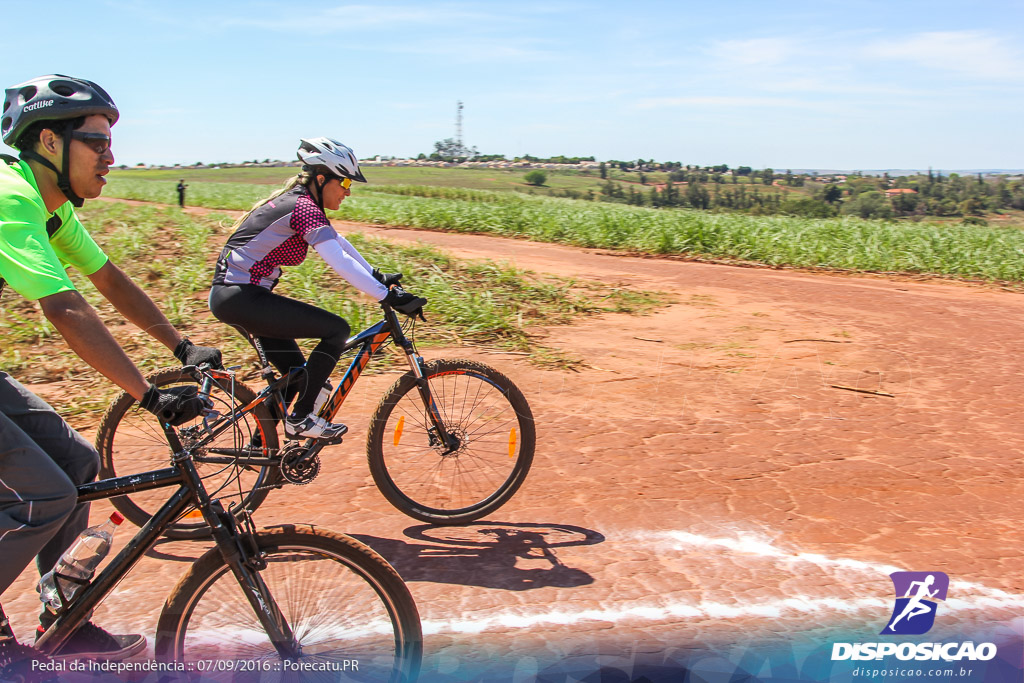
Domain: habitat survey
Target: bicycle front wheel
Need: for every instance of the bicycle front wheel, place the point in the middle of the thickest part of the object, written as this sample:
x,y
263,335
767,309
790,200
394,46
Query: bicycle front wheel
x,y
426,480
130,440
351,614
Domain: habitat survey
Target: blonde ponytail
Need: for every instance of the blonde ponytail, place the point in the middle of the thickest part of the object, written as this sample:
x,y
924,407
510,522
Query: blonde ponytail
x,y
302,178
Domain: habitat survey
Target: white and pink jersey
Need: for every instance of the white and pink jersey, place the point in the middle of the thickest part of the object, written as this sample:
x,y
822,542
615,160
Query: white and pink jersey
x,y
279,233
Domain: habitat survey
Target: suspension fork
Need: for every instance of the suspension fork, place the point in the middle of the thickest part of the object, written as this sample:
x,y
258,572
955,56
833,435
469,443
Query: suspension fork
x,y
438,431
450,441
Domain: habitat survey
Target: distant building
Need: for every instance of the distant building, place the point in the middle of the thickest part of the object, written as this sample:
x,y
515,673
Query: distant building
x,y
896,191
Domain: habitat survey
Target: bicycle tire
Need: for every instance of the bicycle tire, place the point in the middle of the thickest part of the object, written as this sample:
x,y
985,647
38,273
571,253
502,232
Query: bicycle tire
x,y
130,440
340,598
489,415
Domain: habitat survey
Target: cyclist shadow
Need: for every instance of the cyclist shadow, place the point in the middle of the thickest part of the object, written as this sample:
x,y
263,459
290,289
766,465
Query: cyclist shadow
x,y
500,555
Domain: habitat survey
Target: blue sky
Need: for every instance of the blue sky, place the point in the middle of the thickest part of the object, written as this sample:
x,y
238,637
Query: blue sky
x,y
826,84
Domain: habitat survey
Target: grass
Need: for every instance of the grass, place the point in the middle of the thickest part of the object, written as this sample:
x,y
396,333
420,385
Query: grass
x,y
844,243
171,255
501,180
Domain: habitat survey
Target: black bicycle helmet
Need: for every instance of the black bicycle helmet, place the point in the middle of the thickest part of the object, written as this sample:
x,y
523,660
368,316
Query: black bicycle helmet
x,y
49,98
53,98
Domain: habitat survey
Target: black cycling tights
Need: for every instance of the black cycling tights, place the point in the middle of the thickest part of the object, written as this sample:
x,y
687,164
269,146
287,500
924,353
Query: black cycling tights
x,y
277,322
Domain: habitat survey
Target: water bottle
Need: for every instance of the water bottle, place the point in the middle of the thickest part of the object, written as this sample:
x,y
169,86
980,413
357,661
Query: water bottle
x,y
321,398
78,561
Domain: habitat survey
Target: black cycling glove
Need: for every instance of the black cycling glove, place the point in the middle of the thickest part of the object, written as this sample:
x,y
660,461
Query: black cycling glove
x,y
405,302
190,354
175,406
387,279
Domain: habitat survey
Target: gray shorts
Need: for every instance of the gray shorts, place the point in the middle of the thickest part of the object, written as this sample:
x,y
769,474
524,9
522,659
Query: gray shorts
x,y
42,459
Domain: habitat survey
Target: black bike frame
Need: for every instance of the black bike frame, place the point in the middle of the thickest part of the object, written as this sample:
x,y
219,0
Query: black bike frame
x,y
238,552
369,343
370,340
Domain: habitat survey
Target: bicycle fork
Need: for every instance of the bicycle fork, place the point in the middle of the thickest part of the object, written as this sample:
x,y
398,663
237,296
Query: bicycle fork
x,y
438,434
239,549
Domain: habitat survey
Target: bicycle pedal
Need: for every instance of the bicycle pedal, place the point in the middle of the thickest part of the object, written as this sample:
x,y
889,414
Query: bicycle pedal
x,y
333,441
322,441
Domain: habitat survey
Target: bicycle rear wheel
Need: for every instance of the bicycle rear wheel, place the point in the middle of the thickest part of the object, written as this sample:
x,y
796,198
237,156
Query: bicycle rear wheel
x,y
130,440
489,416
351,613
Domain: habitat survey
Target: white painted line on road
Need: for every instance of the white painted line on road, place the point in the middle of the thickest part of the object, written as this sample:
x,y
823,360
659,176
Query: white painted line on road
x,y
981,598
746,544
671,612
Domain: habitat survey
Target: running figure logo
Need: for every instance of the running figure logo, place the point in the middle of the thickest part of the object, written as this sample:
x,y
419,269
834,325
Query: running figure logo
x,y
917,594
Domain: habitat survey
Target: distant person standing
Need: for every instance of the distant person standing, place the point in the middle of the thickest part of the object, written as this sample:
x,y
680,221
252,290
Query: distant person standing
x,y
181,193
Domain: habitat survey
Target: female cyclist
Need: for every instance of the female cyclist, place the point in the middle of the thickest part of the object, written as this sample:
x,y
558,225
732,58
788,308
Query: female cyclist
x,y
278,231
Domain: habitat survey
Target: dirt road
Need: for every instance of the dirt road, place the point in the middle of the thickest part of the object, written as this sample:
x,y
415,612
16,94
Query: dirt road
x,y
753,459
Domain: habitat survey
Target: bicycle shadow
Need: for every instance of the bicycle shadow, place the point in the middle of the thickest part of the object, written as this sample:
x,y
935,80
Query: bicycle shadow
x,y
190,550
500,555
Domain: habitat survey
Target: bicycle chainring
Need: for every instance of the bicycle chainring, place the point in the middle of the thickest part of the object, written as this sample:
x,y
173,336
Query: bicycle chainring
x,y
297,467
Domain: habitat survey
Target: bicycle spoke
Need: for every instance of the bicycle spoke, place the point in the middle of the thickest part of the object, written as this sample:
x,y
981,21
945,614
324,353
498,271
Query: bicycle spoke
x,y
481,462
334,614
131,440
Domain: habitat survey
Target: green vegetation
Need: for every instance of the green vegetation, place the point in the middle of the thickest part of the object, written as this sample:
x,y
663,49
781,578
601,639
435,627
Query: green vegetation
x,y
171,254
934,197
535,177
841,242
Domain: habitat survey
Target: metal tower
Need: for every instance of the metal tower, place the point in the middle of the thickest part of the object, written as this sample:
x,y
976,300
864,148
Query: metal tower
x,y
458,124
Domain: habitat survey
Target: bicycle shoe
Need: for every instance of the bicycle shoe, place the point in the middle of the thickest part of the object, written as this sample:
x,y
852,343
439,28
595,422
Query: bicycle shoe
x,y
313,427
92,642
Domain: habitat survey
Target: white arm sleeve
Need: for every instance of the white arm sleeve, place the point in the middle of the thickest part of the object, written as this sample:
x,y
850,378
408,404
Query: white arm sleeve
x,y
354,253
355,271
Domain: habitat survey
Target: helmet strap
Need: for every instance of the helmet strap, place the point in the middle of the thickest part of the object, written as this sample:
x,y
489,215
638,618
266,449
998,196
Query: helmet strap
x,y
63,177
320,190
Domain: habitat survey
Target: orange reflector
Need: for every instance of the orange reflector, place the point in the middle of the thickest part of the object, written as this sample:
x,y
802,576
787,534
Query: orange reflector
x,y
195,514
398,428
512,443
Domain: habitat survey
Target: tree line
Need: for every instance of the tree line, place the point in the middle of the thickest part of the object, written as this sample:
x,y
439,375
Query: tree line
x,y
762,192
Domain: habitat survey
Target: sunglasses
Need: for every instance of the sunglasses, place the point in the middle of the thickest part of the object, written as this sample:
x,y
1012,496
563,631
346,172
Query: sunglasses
x,y
345,182
99,142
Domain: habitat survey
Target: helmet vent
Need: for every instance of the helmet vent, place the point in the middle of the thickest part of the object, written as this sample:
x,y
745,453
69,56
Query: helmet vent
x,y
62,89
26,94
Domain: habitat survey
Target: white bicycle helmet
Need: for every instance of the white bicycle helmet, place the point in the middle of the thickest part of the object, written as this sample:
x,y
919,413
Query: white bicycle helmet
x,y
337,158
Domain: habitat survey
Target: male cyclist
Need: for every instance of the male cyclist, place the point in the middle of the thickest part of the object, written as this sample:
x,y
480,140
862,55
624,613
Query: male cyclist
x,y
61,128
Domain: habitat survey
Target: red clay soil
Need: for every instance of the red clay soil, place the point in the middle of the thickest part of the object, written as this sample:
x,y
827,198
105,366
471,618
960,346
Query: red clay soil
x,y
753,459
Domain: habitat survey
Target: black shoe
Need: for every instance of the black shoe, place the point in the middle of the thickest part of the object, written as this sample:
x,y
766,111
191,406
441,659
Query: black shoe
x,y
92,642
16,662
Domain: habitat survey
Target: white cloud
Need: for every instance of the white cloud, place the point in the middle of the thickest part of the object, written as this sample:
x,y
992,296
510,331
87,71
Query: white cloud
x,y
977,54
755,51
722,101
342,20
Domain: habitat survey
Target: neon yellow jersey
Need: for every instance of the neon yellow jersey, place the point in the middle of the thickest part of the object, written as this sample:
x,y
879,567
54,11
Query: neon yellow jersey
x,y
31,261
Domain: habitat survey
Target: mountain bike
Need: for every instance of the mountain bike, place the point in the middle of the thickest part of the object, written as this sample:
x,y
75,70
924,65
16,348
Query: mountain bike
x,y
450,442
285,600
